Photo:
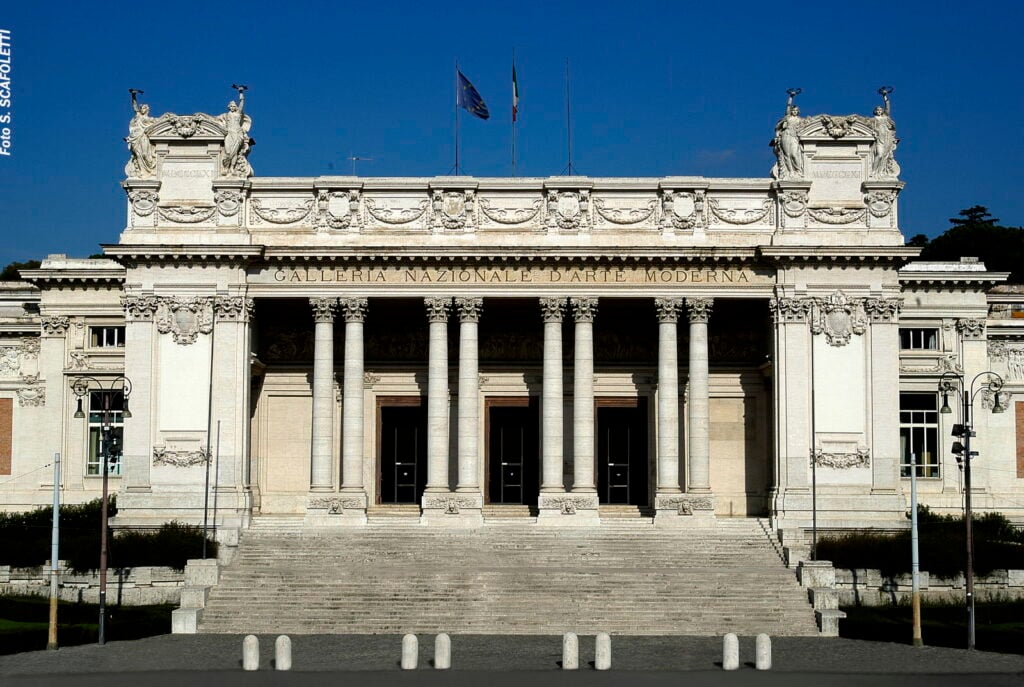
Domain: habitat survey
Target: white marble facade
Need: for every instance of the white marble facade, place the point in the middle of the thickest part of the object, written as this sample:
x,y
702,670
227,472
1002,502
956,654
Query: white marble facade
x,y
213,261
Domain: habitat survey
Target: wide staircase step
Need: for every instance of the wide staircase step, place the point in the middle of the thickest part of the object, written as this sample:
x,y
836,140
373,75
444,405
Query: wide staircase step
x,y
623,576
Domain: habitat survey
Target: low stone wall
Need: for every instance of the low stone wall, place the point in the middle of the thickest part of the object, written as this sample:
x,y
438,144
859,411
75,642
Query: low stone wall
x,y
870,588
139,586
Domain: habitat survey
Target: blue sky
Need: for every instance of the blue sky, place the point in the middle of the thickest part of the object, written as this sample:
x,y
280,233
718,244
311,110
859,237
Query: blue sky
x,y
659,88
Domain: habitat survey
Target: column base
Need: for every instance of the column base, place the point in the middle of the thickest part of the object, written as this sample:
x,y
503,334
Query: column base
x,y
452,509
684,510
336,510
567,509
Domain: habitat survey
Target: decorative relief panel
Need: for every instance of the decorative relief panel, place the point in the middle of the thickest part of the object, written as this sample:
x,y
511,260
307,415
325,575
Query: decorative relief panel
x,y
741,215
179,458
1012,353
793,202
396,212
837,215
187,214
945,363
283,211
144,201
568,210
228,201
334,505
861,458
838,317
184,318
337,210
681,209
452,210
510,214
10,360
625,214
569,505
33,395
971,329
450,504
685,505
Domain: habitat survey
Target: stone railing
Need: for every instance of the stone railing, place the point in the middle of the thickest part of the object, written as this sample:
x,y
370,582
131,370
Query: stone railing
x,y
870,588
139,586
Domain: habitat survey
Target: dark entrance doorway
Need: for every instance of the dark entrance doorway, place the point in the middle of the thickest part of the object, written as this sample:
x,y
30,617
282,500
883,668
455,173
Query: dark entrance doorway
x,y
622,456
402,423
513,452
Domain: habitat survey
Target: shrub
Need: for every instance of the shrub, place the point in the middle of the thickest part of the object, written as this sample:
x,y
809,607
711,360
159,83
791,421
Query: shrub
x,y
25,540
941,544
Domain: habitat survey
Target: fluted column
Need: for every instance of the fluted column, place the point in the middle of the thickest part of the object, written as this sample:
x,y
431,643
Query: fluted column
x,y
354,311
668,395
553,310
437,394
321,478
699,453
584,310
469,393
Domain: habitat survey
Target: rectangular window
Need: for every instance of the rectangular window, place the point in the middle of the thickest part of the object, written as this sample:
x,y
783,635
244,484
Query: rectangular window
x,y
106,337
919,339
919,433
106,431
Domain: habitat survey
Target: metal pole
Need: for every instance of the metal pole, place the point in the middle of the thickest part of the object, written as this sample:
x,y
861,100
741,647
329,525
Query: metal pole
x,y
969,572
216,480
103,520
51,642
915,566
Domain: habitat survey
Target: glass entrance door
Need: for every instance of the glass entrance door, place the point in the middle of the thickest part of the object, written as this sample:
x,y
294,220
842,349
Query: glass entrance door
x,y
622,460
513,453
403,453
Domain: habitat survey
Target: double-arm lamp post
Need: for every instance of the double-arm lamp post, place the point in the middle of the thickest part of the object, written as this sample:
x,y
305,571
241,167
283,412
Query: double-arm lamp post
x,y
81,386
954,383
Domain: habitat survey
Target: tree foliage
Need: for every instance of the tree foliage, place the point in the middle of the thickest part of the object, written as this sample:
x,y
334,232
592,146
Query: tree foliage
x,y
976,233
10,272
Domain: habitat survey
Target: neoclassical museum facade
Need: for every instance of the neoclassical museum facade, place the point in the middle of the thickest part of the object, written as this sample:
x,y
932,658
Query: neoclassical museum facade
x,y
564,349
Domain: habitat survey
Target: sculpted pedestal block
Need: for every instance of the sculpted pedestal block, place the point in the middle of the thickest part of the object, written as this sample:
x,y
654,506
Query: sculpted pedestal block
x,y
452,509
567,509
684,510
335,510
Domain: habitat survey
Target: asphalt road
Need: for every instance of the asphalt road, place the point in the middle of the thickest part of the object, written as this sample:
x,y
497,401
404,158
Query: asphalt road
x,y
495,661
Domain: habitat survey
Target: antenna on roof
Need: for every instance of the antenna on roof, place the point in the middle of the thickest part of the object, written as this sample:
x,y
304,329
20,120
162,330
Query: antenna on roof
x,y
354,159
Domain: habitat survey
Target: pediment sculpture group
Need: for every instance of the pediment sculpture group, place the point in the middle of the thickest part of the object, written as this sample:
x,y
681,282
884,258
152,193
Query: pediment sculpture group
x,y
788,146
233,125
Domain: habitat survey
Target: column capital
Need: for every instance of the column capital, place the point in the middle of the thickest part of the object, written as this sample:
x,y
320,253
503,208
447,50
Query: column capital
x,y
552,309
353,309
883,309
233,308
790,309
437,309
469,309
139,308
584,308
668,309
323,309
699,309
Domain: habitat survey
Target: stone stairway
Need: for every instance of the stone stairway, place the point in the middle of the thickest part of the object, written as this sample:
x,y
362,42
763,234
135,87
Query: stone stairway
x,y
622,577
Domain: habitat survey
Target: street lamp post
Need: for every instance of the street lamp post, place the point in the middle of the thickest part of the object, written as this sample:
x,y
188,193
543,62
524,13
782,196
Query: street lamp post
x,y
955,383
82,386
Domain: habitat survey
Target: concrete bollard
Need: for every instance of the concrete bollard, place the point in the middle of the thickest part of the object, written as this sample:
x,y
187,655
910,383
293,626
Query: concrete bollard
x,y
283,653
570,651
410,652
442,652
763,658
603,652
251,653
730,652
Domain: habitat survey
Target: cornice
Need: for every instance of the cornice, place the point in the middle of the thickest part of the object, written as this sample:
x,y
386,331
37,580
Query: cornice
x,y
810,254
539,254
80,275
134,254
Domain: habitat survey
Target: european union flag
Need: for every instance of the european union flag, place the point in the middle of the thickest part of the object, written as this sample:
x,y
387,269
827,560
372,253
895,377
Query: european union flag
x,y
469,99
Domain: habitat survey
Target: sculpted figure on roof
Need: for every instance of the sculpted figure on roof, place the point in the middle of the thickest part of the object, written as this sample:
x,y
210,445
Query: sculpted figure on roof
x,y
143,161
789,151
236,137
883,164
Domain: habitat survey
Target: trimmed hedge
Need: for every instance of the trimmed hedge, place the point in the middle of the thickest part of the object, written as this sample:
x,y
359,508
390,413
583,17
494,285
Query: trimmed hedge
x,y
25,540
941,543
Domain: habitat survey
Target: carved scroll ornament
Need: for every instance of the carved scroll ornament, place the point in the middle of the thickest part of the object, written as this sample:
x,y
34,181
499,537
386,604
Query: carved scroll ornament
x,y
177,458
842,461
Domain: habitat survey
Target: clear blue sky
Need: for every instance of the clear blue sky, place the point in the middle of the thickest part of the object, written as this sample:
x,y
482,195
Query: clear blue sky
x,y
659,88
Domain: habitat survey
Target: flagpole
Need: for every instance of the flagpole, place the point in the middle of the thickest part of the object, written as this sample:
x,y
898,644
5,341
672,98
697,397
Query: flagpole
x,y
456,117
568,118
513,111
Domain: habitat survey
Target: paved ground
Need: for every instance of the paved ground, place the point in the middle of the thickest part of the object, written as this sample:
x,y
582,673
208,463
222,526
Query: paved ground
x,y
216,660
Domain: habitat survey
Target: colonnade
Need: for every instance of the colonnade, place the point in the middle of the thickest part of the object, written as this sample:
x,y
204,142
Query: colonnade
x,y
583,310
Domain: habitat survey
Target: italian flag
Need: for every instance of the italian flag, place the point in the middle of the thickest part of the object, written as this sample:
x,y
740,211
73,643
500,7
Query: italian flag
x,y
515,94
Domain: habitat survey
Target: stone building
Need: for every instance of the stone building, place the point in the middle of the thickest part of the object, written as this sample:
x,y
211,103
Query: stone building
x,y
457,348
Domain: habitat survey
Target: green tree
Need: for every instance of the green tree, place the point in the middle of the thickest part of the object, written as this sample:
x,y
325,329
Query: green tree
x,y
10,272
976,233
